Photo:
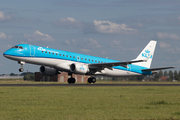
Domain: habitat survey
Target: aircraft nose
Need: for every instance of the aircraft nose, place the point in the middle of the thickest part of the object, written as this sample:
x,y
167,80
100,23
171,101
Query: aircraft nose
x,y
8,53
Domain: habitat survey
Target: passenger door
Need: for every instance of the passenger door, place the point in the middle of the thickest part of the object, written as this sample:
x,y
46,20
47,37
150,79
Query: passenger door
x,y
32,50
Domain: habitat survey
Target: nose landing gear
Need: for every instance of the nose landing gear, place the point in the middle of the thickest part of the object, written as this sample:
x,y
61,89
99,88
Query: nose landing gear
x,y
21,69
22,63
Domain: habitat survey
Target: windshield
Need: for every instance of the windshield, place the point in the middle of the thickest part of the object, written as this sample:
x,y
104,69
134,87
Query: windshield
x,y
20,47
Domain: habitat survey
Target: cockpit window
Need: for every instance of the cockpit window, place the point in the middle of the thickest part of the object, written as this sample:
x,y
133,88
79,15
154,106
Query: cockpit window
x,y
20,47
15,47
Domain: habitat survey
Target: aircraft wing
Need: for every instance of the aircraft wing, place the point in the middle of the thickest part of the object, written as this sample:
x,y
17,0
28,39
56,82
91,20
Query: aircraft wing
x,y
110,65
153,69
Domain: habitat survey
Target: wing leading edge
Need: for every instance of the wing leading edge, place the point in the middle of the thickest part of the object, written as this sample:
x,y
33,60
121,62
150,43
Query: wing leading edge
x,y
110,65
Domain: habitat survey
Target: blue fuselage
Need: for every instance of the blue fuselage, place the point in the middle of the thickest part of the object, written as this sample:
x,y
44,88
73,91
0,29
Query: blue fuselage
x,y
53,58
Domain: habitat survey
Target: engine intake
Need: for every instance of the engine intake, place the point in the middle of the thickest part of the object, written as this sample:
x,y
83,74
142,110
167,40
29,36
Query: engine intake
x,y
48,71
79,68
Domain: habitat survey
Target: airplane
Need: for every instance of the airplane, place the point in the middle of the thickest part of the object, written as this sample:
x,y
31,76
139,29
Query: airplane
x,y
55,61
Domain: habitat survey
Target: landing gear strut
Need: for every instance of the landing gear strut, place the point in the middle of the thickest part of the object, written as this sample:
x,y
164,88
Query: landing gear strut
x,y
91,80
22,63
71,80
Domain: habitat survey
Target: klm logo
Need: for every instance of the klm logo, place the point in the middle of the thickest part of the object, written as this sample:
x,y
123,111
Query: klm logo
x,y
147,54
41,49
81,68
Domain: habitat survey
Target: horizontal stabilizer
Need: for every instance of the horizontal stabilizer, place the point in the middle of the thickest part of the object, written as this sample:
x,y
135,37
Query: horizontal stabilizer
x,y
153,69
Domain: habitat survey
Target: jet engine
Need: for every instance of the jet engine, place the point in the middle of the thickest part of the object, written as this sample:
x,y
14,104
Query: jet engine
x,y
79,68
48,71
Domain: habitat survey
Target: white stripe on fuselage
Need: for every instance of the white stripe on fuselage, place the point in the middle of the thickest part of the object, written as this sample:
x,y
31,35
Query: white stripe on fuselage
x,y
64,65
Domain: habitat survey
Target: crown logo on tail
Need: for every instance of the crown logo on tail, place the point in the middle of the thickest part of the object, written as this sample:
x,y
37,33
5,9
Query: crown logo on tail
x,y
147,51
147,54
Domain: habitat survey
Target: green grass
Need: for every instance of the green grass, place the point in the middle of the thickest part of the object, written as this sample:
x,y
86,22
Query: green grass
x,y
90,103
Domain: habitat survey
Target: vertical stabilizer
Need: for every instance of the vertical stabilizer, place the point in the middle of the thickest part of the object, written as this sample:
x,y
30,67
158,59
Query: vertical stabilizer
x,y
147,54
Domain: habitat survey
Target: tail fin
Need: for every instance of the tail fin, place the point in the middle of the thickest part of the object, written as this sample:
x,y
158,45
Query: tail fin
x,y
147,54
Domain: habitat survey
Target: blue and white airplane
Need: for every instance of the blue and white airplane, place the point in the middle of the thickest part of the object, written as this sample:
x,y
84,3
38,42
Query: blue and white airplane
x,y
54,62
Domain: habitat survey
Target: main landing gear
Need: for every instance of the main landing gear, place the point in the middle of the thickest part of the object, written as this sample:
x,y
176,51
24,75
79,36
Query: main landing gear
x,y
91,80
22,63
71,80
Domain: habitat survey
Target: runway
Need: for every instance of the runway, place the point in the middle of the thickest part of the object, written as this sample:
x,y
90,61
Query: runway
x,y
82,85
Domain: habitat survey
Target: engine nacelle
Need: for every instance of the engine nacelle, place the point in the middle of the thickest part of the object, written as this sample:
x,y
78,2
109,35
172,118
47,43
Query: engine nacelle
x,y
79,68
48,71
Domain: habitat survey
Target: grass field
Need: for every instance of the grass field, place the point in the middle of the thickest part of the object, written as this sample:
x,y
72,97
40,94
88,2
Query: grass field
x,y
90,103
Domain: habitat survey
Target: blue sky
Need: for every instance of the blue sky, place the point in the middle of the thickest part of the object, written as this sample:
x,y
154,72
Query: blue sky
x,y
117,29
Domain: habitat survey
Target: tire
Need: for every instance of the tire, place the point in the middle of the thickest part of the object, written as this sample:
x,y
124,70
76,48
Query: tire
x,y
90,80
71,80
93,79
21,69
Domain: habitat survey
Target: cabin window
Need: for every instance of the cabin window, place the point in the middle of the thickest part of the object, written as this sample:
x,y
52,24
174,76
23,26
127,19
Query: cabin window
x,y
46,52
70,56
96,61
49,52
99,61
42,51
81,58
63,55
56,54
59,54
53,53
74,57
66,55
92,60
89,60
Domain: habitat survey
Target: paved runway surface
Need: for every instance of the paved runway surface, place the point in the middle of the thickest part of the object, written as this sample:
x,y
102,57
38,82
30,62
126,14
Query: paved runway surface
x,y
83,85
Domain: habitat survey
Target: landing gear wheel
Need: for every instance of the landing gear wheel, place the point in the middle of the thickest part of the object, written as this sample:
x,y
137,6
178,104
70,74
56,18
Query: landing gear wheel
x,y
22,63
21,69
71,80
91,80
